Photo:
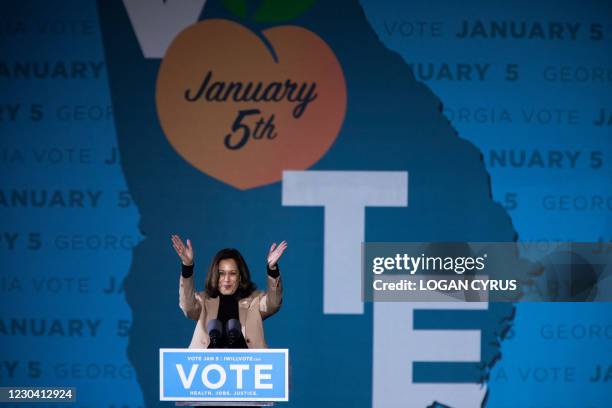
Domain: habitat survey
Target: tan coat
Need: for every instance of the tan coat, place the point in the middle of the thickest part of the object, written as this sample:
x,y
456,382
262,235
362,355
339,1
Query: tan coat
x,y
252,310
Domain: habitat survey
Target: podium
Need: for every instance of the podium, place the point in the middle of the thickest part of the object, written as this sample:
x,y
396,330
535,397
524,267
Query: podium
x,y
223,377
222,404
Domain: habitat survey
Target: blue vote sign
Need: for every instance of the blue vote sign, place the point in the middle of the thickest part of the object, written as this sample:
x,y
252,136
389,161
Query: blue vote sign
x,y
223,374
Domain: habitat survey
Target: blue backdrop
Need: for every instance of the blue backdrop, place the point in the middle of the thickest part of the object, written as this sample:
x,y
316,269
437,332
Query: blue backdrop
x,y
499,129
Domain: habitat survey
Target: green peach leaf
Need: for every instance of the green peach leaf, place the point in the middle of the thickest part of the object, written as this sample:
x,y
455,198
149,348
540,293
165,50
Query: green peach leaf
x,y
272,11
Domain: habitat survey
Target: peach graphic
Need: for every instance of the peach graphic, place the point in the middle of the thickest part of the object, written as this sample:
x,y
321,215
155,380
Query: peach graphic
x,y
233,112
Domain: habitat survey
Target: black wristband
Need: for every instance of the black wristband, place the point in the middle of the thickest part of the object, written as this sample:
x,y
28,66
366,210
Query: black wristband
x,y
186,270
273,273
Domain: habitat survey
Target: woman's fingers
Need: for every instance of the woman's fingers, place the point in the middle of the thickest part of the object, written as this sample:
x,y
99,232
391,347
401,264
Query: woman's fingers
x,y
278,249
276,252
178,250
178,246
176,240
177,243
184,252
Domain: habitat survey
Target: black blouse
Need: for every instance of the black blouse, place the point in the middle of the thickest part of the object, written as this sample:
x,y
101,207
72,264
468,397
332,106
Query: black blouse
x,y
228,304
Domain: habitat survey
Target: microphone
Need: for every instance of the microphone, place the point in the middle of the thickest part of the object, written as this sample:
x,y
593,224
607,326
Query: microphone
x,y
215,332
234,334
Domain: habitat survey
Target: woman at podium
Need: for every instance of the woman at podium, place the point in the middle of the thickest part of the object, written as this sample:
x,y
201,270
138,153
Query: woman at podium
x,y
230,311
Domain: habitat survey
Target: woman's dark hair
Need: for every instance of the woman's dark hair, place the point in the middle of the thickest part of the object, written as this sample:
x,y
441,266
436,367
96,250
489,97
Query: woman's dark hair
x,y
245,285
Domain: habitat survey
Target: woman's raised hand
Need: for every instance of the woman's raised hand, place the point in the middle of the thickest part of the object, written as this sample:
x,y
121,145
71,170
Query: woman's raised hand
x,y
275,253
184,252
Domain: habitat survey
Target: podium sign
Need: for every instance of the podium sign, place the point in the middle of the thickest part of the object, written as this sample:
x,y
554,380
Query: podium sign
x,y
223,375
